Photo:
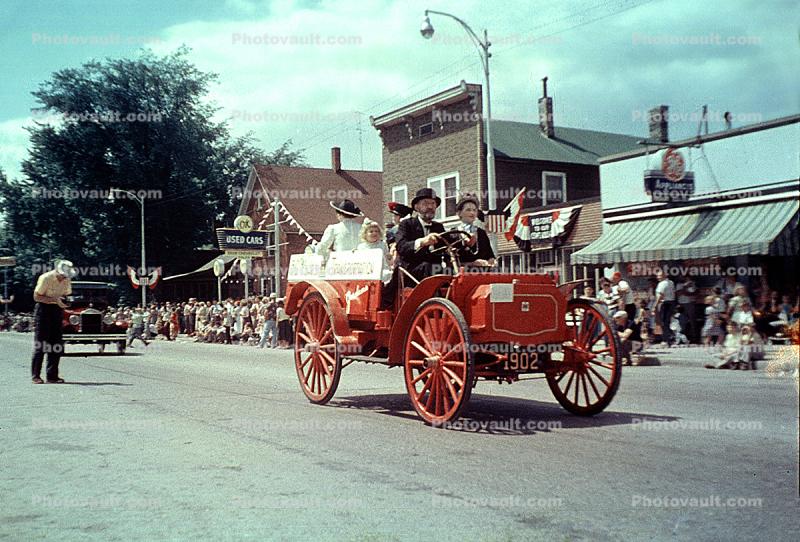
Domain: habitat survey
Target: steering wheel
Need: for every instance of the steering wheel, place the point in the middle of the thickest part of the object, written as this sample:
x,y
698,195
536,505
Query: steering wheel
x,y
449,239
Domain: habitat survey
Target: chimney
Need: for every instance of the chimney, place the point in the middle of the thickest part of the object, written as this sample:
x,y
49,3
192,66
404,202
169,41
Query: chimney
x,y
336,159
546,113
657,121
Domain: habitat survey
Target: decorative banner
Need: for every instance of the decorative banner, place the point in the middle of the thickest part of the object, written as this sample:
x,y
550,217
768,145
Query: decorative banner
x,y
355,265
150,280
305,267
553,227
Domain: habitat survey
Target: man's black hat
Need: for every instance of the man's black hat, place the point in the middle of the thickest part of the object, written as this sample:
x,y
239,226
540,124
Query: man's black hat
x,y
426,193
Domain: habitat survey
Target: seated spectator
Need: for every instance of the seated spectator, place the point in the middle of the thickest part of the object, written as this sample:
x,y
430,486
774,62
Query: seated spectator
x,y
738,349
629,333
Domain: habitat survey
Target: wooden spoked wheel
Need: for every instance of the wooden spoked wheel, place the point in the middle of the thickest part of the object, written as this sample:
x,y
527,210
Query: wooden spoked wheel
x,y
316,354
439,364
585,375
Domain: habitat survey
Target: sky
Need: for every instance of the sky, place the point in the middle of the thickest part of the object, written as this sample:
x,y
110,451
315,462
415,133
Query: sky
x,y
314,71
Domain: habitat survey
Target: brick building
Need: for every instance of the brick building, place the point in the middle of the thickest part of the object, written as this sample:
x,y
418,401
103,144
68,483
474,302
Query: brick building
x,y
438,142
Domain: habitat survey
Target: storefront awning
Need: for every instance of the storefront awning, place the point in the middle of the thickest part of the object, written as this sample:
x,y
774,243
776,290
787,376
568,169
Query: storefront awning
x,y
764,228
227,258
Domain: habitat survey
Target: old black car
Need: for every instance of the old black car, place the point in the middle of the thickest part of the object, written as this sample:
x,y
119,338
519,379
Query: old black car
x,y
86,321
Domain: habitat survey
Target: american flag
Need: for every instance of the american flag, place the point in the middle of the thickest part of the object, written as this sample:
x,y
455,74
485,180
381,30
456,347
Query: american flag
x,y
495,223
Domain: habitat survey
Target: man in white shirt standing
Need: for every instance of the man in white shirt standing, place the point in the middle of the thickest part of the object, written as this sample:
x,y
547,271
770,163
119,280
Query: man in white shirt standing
x,y
665,304
48,320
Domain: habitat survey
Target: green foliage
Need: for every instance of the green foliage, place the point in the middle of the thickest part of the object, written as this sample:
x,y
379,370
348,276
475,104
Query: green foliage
x,y
141,125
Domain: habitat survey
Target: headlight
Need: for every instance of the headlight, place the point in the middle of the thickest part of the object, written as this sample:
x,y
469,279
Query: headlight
x,y
74,319
108,319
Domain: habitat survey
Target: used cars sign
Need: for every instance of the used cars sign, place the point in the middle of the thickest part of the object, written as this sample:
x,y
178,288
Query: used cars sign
x,y
233,239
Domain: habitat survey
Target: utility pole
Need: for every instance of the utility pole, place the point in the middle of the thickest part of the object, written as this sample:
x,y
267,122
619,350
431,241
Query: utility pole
x,y
277,238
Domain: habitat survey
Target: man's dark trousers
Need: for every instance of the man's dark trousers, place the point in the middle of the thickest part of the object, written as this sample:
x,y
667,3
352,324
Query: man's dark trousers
x,y
47,339
667,308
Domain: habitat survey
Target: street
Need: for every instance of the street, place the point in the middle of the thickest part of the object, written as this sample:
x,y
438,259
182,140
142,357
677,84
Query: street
x,y
185,441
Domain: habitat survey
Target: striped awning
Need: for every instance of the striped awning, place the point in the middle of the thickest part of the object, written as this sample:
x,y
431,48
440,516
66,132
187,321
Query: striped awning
x,y
763,228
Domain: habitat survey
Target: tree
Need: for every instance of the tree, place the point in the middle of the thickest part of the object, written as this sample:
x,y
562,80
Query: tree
x,y
141,125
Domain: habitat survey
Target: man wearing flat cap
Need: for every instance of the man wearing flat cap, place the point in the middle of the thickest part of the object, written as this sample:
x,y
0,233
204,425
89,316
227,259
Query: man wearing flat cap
x,y
344,235
48,319
416,237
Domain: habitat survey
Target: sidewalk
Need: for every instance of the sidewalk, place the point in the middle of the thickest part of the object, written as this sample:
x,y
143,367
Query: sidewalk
x,y
777,358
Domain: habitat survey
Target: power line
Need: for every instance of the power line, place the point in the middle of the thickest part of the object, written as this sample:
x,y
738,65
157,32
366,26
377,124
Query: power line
x,y
405,96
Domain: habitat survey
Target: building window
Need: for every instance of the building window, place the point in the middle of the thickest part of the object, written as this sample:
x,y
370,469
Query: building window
x,y
446,187
545,257
425,129
400,194
554,187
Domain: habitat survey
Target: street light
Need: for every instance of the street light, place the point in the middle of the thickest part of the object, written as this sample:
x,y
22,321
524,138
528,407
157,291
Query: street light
x,y
5,265
140,201
483,50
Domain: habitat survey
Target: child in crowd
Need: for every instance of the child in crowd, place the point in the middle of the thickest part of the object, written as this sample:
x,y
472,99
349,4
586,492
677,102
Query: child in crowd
x,y
677,325
712,328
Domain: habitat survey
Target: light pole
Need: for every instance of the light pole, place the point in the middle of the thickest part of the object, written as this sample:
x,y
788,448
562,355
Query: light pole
x,y
6,299
483,50
140,201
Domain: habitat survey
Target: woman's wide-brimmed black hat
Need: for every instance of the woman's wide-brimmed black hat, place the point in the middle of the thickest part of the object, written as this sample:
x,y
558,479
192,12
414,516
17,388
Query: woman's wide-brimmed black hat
x,y
399,209
346,207
426,193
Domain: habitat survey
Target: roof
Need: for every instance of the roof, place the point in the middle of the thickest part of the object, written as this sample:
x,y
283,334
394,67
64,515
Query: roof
x,y
765,228
525,141
306,192
426,105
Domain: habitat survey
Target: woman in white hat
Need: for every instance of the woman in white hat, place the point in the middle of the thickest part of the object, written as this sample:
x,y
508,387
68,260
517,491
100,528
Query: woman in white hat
x,y
343,235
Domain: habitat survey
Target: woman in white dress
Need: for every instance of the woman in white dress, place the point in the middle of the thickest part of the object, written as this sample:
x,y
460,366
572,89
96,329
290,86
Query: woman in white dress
x,y
344,235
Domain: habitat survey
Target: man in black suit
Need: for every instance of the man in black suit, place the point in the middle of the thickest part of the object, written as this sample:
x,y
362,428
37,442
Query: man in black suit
x,y
417,236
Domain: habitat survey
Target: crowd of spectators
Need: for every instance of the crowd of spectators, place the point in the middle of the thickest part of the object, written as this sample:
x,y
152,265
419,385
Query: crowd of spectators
x,y
256,321
726,319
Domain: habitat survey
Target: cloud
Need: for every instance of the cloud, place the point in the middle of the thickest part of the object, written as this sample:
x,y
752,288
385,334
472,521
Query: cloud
x,y
13,146
314,71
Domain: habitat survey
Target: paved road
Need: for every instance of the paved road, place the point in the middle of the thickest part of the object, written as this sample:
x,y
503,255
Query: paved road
x,y
214,442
